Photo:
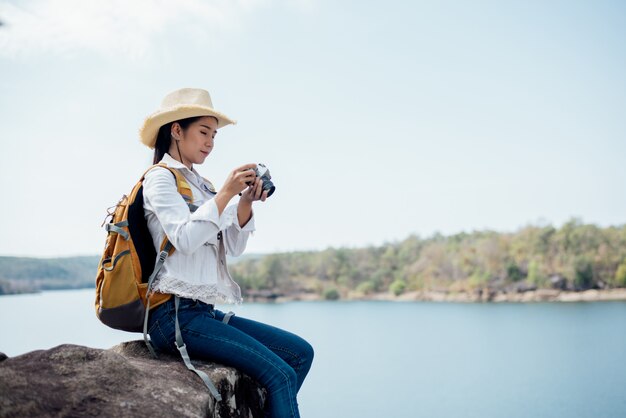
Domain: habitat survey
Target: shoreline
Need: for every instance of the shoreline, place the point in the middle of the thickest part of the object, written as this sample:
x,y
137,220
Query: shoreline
x,y
478,296
486,296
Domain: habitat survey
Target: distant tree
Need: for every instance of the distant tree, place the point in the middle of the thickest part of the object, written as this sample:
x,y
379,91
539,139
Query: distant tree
x,y
366,287
534,275
513,272
271,270
583,277
620,275
331,294
398,287
478,279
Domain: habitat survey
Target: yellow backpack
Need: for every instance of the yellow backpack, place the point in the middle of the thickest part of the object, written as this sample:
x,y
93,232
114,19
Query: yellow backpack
x,y
130,262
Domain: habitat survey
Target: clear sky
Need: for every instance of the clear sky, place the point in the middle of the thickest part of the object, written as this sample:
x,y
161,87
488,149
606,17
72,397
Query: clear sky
x,y
377,119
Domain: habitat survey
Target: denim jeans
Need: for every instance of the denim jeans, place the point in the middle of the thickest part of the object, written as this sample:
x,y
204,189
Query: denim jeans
x,y
277,359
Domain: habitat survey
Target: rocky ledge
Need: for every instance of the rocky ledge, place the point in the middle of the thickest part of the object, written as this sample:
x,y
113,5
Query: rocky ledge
x,y
123,381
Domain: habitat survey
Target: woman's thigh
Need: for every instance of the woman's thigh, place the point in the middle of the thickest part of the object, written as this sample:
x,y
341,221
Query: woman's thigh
x,y
207,337
248,345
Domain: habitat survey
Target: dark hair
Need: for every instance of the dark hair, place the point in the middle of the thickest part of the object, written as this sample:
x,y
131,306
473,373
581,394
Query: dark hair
x,y
164,137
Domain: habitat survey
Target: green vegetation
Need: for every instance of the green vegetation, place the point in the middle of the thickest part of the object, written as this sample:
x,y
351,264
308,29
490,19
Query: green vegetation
x,y
331,294
575,257
397,287
620,275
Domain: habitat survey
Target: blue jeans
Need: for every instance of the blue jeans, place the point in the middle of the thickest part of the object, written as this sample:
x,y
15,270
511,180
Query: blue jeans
x,y
277,359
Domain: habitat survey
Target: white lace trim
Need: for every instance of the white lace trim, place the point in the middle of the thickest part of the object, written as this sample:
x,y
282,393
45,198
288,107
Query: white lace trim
x,y
203,292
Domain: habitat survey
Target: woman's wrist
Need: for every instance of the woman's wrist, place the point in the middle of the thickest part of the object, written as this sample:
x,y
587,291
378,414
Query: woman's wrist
x,y
221,200
244,211
244,202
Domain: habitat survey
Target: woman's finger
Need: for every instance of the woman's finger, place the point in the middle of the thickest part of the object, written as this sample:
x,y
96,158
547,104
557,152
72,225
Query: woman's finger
x,y
258,189
245,167
252,189
245,175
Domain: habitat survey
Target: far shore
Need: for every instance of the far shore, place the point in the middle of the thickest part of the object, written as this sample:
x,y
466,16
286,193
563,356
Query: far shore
x,y
479,296
539,295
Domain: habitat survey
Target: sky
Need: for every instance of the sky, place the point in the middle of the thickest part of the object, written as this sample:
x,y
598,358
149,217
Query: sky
x,y
376,120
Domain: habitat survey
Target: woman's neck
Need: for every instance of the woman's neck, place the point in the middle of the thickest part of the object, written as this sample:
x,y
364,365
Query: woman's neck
x,y
175,155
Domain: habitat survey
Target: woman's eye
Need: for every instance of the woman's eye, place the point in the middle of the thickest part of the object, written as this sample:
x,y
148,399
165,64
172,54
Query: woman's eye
x,y
203,133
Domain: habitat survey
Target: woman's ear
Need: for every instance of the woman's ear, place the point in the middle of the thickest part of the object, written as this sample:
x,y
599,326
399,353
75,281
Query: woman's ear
x,y
176,131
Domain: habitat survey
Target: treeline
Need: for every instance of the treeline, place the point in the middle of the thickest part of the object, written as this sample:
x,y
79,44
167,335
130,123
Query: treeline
x,y
576,256
26,274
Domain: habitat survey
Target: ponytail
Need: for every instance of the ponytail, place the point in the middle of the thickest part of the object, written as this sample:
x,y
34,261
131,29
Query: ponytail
x,y
164,137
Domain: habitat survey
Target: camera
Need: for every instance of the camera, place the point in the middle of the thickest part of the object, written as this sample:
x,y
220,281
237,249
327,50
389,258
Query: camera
x,y
263,173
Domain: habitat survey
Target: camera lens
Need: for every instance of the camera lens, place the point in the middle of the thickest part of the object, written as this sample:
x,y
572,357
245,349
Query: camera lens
x,y
268,185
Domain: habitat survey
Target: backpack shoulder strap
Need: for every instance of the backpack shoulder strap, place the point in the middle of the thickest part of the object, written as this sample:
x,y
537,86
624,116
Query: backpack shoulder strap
x,y
181,183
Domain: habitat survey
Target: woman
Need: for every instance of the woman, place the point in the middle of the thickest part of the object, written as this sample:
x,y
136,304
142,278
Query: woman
x,y
182,133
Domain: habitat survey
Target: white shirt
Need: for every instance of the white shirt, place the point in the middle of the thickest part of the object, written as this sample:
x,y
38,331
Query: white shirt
x,y
193,270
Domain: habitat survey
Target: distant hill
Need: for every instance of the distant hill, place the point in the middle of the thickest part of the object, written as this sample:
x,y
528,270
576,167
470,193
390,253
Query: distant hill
x,y
25,274
29,274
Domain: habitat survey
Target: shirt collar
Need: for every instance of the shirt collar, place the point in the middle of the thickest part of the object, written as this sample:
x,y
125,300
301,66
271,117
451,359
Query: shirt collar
x,y
171,162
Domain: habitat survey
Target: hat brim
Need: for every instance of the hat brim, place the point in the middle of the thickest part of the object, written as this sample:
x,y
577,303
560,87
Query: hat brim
x,y
150,128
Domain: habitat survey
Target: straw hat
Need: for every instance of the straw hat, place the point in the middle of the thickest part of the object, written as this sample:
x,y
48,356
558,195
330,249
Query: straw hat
x,y
180,104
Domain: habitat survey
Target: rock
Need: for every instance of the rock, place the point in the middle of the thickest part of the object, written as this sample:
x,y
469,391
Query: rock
x,y
558,282
3,356
71,380
522,287
263,295
591,295
547,295
487,295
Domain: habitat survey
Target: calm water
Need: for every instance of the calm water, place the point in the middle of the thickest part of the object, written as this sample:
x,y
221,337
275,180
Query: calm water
x,y
382,359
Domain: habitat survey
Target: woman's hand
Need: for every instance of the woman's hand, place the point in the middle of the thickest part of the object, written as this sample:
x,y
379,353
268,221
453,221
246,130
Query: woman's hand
x,y
255,192
235,183
238,180
244,208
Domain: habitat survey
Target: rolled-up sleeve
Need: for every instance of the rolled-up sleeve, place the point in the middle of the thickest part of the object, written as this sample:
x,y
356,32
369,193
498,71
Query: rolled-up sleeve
x,y
186,231
236,237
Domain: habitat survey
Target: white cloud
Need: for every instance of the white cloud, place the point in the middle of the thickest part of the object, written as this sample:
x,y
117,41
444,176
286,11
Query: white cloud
x,y
114,27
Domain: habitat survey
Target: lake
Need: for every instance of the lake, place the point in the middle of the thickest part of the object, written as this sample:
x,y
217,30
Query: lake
x,y
409,359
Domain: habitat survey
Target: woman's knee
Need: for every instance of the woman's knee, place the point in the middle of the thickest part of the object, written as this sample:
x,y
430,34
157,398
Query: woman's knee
x,y
306,352
305,359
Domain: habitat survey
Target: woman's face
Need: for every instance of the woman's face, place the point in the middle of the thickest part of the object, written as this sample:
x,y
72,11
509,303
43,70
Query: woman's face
x,y
196,142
